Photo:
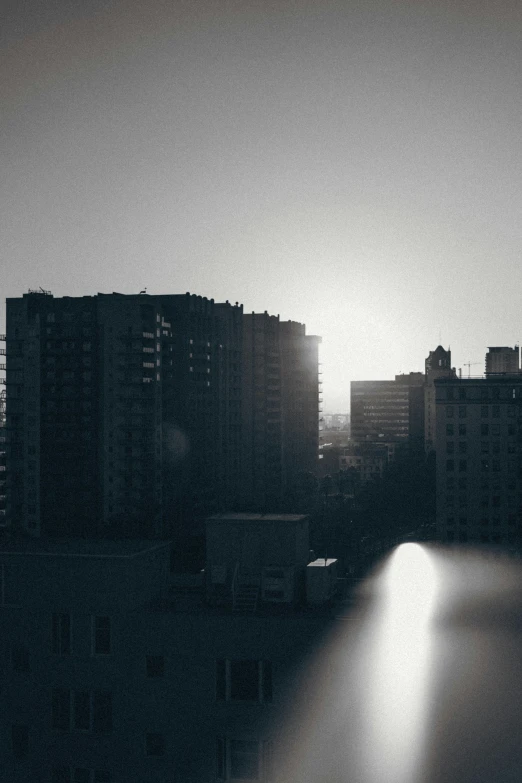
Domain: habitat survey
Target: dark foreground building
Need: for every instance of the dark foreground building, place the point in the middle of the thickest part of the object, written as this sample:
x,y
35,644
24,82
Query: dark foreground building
x,y
115,669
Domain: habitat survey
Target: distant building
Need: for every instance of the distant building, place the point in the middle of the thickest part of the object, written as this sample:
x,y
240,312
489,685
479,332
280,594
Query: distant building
x,y
503,360
368,460
478,430
437,365
389,411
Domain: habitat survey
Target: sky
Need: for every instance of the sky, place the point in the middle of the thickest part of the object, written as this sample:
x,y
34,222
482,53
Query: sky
x,y
355,166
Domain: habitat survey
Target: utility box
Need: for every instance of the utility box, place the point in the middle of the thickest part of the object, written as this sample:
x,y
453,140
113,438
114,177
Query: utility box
x,y
321,581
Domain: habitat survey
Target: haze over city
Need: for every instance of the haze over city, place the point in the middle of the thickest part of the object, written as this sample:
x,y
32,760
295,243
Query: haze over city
x,y
351,165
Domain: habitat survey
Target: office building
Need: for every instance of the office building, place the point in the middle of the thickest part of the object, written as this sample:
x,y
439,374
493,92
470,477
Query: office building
x,y
503,360
390,412
478,461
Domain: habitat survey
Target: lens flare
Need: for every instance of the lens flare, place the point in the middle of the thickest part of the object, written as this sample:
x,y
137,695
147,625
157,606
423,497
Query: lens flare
x,y
400,660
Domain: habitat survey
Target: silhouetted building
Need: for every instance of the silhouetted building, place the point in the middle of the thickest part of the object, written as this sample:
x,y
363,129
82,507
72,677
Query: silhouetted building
x,y
280,408
437,365
478,429
503,360
367,460
117,412
301,402
388,411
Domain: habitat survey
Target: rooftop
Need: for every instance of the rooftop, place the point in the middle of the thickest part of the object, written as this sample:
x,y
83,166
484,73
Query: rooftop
x,y
79,547
236,517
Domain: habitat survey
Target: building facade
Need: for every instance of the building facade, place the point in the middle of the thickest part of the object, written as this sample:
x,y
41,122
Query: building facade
x,y
388,411
478,460
120,412
437,365
280,409
115,670
503,360
138,415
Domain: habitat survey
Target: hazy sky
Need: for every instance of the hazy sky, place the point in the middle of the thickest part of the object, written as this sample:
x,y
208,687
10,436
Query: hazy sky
x,y
352,165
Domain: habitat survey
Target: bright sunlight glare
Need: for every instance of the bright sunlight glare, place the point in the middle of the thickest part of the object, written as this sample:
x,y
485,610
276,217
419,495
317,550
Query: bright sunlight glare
x,y
400,665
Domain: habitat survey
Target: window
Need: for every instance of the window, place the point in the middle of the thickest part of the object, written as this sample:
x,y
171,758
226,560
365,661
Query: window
x,y
244,680
463,447
154,744
88,710
450,465
101,630
61,634
450,447
243,759
82,710
61,709
462,411
102,711
484,429
80,775
155,665
462,394
20,741
484,411
61,775
495,411
449,411
20,659
462,429
449,429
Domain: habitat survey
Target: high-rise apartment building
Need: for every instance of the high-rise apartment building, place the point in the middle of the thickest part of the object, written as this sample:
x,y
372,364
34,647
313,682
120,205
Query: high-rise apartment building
x,y
301,401
115,415
84,402
280,408
140,415
503,360
478,430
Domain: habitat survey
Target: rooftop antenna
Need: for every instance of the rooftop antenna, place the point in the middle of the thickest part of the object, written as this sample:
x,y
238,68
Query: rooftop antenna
x,y
144,291
469,365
